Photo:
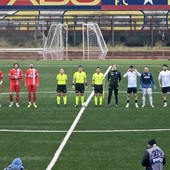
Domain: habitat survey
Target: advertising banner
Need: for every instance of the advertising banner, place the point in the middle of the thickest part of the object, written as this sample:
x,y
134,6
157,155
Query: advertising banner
x,y
103,5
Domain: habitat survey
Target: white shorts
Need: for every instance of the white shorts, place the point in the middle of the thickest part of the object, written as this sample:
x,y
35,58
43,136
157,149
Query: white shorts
x,y
147,91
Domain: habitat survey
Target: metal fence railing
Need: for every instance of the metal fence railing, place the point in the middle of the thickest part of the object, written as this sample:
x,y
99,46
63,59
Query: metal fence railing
x,y
128,29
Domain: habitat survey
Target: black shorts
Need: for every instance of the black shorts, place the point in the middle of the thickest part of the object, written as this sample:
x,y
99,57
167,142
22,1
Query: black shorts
x,y
61,88
98,88
165,89
79,87
132,89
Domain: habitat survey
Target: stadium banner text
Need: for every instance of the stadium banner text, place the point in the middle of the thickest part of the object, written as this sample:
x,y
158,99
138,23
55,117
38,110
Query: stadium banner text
x,y
106,5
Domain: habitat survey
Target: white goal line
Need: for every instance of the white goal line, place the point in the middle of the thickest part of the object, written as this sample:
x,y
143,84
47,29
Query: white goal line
x,y
84,131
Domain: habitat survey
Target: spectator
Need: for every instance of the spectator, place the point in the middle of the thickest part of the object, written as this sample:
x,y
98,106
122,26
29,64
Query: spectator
x,y
16,165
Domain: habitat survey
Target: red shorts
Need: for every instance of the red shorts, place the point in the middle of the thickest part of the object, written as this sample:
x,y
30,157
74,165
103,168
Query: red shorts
x,y
15,87
31,88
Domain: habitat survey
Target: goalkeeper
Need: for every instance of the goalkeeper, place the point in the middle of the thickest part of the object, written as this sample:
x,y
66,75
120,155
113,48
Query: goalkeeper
x,y
114,77
146,81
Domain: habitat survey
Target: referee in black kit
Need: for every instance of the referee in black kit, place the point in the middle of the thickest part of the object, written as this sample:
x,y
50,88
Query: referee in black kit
x,y
114,77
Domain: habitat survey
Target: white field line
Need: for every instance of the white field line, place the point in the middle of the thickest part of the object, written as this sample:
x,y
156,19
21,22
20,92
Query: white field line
x,y
70,131
120,131
84,131
32,131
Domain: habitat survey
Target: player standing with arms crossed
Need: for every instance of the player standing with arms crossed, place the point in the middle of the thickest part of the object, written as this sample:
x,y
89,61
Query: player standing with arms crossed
x,y
114,77
146,81
1,81
79,80
15,75
98,83
164,82
31,82
131,75
61,87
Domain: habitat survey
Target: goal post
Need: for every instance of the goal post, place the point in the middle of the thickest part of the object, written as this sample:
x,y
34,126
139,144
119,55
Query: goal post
x,y
56,44
94,44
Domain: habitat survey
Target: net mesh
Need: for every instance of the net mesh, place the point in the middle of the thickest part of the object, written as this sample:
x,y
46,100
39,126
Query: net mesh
x,y
93,42
55,47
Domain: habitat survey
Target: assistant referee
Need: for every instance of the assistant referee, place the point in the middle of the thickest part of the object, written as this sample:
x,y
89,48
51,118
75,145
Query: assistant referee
x,y
61,87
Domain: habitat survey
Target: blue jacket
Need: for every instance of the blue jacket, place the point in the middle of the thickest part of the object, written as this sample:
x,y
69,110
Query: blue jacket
x,y
16,165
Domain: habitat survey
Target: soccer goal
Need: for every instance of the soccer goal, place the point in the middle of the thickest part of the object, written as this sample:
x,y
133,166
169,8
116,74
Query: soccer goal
x,y
93,42
56,44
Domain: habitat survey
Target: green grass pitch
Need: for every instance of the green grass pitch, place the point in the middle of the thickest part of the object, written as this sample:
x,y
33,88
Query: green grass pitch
x,y
84,150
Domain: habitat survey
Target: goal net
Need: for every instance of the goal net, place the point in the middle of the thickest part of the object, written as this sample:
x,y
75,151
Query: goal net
x,y
56,44
93,42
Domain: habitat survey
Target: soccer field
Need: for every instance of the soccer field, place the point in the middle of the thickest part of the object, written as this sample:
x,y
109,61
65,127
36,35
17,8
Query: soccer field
x,y
105,138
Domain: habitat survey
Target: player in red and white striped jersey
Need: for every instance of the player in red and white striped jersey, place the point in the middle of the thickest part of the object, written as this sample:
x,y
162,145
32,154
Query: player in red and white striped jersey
x,y
15,75
31,82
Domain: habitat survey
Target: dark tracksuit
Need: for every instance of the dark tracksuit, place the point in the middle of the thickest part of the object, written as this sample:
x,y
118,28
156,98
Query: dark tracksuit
x,y
114,77
153,158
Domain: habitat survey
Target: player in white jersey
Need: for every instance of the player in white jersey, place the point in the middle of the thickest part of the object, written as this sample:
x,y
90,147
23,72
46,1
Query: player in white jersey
x,y
131,75
164,82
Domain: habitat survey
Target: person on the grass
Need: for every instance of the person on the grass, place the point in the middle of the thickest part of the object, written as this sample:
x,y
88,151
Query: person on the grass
x,y
153,157
131,75
98,83
15,75
1,81
164,82
61,87
78,83
114,77
146,81
15,165
31,82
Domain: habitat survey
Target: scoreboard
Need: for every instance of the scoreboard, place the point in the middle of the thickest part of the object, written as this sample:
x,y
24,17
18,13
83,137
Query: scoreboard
x,y
102,5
